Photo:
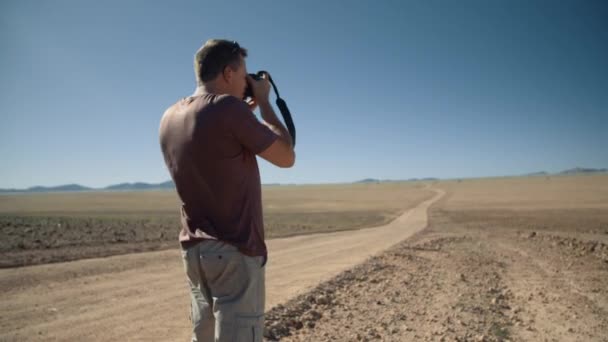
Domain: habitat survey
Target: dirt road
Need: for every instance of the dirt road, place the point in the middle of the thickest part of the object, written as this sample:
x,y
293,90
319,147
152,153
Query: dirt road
x,y
143,296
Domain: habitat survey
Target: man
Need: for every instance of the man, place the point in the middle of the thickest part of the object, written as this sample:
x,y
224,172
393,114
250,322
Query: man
x,y
209,142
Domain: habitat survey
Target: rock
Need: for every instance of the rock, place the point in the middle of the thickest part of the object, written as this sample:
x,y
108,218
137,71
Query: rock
x,y
276,331
323,299
312,315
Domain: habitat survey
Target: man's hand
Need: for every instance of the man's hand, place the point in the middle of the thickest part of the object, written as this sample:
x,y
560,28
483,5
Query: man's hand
x,y
280,152
260,89
252,104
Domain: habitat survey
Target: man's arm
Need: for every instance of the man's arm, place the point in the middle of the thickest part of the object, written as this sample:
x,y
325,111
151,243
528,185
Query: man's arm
x,y
280,152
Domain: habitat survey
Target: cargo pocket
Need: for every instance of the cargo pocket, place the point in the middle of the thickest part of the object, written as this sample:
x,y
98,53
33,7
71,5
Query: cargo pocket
x,y
249,327
225,273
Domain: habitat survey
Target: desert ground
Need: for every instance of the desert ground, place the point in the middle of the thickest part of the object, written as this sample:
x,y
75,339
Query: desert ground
x,y
519,259
57,227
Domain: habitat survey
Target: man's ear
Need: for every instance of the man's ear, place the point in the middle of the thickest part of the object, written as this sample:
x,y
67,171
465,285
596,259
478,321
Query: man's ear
x,y
227,73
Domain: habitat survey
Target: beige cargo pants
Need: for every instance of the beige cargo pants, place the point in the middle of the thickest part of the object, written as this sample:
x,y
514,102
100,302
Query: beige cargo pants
x,y
227,290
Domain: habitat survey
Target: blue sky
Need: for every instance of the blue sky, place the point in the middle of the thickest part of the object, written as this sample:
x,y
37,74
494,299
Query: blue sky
x,y
386,89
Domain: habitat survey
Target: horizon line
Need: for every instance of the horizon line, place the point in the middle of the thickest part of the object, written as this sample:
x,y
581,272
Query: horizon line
x,y
363,180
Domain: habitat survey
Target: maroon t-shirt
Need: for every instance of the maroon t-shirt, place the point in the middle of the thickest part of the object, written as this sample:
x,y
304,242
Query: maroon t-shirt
x,y
210,143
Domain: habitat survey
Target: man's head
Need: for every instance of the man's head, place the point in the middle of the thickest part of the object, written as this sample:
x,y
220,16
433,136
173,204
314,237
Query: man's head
x,y
221,65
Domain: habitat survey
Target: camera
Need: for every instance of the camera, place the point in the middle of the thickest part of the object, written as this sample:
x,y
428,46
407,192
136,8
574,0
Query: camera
x,y
248,90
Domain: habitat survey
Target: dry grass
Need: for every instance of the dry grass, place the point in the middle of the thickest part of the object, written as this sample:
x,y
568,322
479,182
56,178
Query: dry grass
x,y
40,228
563,206
90,203
528,193
308,209
293,198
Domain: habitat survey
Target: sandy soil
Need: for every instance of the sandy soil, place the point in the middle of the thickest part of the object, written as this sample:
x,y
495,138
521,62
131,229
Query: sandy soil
x,y
46,228
457,283
143,296
500,260
486,269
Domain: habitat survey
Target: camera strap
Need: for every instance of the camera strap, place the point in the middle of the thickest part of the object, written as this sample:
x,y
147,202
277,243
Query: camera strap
x,y
284,110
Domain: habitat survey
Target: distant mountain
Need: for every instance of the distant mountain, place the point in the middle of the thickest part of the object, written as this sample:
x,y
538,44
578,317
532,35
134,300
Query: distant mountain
x,y
532,174
577,170
140,186
373,180
67,187
574,171
60,188
368,180
168,185
76,187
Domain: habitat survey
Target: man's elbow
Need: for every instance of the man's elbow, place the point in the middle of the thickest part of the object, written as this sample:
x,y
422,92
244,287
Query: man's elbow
x,y
280,154
290,161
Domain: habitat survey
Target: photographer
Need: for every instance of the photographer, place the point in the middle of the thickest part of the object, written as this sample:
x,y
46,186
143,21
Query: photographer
x,y
209,141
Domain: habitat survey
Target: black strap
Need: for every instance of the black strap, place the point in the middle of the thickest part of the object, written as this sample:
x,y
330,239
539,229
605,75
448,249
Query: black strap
x,y
283,108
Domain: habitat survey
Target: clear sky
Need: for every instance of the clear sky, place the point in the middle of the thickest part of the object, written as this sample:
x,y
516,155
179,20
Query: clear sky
x,y
379,89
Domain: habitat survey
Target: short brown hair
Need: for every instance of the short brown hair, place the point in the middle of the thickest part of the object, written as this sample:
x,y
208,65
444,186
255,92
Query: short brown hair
x,y
213,57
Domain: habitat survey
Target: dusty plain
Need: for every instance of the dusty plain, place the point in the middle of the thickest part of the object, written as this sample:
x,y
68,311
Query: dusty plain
x,y
143,296
502,259
55,227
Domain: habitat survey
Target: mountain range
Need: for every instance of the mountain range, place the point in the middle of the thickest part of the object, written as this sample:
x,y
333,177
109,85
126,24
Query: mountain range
x,y
139,186
116,187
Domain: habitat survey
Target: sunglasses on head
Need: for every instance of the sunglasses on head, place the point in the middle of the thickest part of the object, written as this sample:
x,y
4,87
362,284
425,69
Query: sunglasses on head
x,y
235,47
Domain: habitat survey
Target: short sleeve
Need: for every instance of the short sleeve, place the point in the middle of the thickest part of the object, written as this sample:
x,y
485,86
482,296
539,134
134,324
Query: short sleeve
x,y
247,130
